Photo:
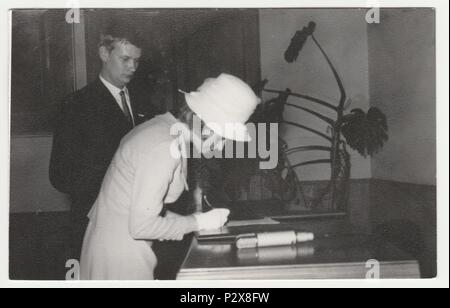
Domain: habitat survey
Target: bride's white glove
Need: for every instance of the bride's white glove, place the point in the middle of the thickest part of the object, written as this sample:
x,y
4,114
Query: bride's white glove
x,y
211,220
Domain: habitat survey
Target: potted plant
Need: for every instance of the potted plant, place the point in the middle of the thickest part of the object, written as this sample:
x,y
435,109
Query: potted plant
x,y
364,132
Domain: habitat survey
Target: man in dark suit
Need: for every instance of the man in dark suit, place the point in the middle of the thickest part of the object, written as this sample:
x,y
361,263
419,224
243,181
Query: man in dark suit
x,y
92,123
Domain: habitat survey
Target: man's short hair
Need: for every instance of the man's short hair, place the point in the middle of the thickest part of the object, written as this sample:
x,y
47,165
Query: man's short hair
x,y
120,33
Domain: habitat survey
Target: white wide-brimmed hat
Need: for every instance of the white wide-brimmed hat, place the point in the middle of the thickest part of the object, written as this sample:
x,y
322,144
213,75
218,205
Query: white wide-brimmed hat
x,y
225,104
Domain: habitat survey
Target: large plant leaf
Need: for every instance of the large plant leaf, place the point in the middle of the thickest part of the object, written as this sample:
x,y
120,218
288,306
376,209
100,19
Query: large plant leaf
x,y
365,133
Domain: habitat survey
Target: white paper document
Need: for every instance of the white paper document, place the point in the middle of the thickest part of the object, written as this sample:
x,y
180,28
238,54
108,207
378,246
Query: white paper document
x,y
251,222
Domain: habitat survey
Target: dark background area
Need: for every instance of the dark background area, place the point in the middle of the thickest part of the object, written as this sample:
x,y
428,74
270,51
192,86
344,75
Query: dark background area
x,y
181,49
41,72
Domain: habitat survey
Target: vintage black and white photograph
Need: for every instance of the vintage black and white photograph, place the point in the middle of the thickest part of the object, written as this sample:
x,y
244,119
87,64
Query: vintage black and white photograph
x,y
223,144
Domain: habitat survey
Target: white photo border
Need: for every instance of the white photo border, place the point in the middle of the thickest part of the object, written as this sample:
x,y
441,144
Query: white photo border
x,y
442,105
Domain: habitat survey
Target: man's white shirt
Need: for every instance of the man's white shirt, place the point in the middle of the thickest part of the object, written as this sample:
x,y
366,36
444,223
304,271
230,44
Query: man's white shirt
x,y
115,91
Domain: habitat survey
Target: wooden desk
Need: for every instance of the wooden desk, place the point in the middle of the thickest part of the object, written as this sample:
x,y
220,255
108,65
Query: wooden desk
x,y
342,257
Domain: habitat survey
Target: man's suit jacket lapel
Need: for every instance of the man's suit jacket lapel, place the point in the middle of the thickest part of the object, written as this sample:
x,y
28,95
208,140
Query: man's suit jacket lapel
x,y
108,105
134,101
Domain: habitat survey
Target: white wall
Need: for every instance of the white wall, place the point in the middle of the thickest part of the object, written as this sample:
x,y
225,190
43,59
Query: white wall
x,y
402,84
31,190
343,34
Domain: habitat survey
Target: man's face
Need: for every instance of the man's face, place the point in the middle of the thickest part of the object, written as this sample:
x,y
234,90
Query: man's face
x,y
120,64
